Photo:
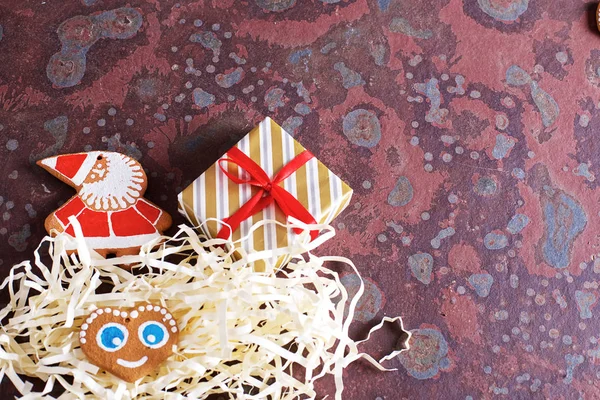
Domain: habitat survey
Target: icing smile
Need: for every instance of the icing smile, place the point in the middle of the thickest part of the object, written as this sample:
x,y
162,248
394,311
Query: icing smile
x,y
132,364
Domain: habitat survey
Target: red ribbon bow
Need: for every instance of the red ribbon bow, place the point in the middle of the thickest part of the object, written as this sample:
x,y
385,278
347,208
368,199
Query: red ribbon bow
x,y
269,192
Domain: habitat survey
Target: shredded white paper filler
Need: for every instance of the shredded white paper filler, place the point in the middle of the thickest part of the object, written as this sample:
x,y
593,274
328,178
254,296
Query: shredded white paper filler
x,y
244,334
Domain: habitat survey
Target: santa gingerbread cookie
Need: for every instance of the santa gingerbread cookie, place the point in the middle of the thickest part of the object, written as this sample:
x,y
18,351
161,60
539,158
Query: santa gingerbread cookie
x,y
109,204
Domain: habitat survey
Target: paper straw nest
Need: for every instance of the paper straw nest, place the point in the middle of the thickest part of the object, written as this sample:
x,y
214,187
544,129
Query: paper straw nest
x,y
244,334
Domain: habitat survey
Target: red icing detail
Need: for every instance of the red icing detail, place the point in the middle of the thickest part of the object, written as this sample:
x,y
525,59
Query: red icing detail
x,y
72,207
70,230
94,223
130,223
69,164
148,210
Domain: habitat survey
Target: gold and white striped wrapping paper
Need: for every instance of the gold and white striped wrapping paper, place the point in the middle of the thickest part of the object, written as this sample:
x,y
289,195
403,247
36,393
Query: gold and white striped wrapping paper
x,y
213,195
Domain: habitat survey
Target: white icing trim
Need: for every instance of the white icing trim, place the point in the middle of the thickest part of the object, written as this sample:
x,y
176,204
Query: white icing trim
x,y
121,184
110,227
76,215
132,364
50,162
84,169
135,313
149,205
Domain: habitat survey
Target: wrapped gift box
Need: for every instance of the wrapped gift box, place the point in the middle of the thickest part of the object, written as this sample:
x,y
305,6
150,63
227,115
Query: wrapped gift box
x,y
228,188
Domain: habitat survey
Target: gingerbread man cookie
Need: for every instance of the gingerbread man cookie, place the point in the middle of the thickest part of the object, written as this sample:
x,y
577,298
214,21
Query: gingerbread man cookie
x,y
109,204
129,343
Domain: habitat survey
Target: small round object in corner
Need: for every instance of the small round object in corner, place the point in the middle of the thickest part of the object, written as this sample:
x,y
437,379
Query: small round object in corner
x,y
598,17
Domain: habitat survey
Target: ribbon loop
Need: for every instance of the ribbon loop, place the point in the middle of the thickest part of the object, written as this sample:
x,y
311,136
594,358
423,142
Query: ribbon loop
x,y
269,192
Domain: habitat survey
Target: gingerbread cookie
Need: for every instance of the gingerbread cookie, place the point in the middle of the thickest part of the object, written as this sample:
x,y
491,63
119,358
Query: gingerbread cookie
x,y
109,204
129,343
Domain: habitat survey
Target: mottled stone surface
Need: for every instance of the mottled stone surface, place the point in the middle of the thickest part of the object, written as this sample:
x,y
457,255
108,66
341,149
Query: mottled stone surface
x,y
468,129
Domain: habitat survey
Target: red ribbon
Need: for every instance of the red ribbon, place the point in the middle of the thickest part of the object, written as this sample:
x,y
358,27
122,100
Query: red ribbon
x,y
269,192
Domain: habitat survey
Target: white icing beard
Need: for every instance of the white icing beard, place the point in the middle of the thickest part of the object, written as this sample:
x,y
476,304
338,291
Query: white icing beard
x,y
120,187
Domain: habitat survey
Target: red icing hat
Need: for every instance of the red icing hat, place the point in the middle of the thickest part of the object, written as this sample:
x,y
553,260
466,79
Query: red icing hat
x,y
74,168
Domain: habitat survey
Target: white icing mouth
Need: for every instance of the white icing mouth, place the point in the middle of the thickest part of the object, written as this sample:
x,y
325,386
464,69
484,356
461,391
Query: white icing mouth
x,y
132,364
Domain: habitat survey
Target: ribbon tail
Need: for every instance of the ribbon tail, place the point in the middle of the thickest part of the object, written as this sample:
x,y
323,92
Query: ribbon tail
x,y
293,208
253,206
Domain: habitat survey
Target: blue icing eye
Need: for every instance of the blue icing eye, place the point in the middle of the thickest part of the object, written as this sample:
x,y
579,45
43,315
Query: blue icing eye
x,y
112,337
153,334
